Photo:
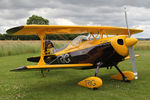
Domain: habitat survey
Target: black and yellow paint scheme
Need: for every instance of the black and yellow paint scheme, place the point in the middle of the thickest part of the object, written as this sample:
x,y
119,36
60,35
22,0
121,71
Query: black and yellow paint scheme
x,y
82,52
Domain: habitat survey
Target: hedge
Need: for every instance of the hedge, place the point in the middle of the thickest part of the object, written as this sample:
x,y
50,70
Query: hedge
x,y
35,37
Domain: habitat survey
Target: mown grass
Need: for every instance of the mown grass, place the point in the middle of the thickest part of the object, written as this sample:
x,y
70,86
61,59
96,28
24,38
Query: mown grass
x,y
61,84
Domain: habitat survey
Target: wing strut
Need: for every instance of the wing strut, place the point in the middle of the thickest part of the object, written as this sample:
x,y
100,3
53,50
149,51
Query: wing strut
x,y
41,35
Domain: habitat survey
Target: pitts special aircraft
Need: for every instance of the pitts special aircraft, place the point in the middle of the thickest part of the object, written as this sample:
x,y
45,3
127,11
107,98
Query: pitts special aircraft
x,y
83,52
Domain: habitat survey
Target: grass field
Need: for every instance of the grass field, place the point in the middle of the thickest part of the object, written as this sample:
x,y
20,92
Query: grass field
x,y
143,45
62,84
8,48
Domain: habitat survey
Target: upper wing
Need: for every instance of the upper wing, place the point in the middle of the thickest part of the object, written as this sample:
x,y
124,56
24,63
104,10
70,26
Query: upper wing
x,y
56,66
61,29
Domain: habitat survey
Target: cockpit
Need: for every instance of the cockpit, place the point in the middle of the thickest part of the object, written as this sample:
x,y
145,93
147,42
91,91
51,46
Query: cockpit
x,y
79,39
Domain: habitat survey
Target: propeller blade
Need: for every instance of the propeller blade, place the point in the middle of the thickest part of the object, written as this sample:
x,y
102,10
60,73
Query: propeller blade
x,y
131,49
126,19
132,59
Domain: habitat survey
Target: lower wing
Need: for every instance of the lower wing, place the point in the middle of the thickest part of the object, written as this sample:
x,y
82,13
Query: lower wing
x,y
128,57
56,66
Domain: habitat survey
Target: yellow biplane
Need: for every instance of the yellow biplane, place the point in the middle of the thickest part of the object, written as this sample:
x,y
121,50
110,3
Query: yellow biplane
x,y
83,52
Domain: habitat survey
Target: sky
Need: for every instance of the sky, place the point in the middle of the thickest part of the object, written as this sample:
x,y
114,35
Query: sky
x,y
78,12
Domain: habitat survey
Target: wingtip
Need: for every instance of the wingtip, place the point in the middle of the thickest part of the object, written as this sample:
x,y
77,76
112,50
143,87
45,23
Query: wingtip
x,y
14,30
19,68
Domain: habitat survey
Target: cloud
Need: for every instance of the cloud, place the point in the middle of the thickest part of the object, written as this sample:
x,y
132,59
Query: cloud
x,y
61,21
145,34
13,14
6,24
77,12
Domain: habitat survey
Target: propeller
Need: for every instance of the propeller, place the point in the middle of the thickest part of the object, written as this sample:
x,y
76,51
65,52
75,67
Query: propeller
x,y
131,49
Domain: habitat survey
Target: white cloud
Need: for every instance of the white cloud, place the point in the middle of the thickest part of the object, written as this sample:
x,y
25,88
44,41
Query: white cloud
x,y
6,24
62,21
74,12
145,33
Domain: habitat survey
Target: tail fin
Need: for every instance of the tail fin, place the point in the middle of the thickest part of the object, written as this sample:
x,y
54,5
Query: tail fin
x,y
49,47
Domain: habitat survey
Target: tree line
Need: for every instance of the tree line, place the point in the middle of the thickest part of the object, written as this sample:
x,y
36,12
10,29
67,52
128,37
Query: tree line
x,y
35,37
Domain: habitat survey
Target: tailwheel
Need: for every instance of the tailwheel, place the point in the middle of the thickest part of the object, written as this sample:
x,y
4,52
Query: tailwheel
x,y
42,73
91,82
126,76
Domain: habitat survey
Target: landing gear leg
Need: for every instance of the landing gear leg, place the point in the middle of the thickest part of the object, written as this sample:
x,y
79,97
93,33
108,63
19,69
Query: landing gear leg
x,y
92,82
97,69
42,73
124,78
96,73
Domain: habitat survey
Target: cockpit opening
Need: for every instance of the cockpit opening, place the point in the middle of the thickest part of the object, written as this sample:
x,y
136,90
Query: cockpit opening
x,y
79,39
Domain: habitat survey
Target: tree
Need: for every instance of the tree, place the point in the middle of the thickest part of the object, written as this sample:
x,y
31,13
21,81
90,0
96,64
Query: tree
x,y
34,19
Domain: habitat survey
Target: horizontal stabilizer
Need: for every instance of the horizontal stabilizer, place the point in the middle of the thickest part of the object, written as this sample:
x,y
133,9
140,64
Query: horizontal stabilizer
x,y
19,68
37,58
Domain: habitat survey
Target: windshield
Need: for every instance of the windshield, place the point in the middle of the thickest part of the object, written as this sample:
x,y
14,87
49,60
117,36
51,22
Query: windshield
x,y
79,39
